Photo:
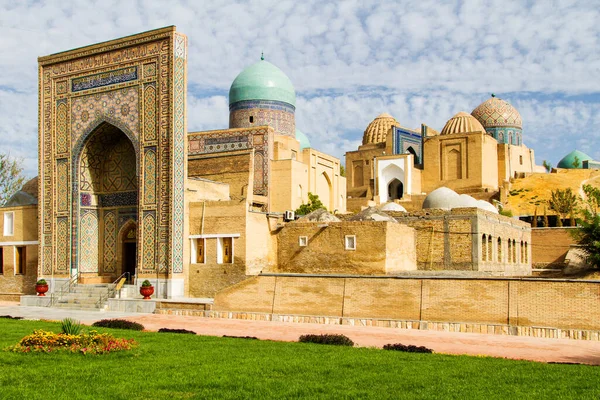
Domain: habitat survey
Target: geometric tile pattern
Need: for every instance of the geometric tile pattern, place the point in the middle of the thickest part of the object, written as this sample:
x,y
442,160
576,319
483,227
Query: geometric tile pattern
x,y
149,241
179,153
62,139
62,185
223,141
150,176
278,115
88,242
406,141
63,250
110,241
495,112
88,111
150,112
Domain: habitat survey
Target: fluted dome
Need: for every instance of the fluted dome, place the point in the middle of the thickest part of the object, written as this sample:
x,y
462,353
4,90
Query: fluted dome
x,y
262,81
495,112
462,123
303,139
569,160
378,129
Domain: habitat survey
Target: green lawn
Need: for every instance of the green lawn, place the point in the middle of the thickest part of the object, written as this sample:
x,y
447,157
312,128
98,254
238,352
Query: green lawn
x,y
175,366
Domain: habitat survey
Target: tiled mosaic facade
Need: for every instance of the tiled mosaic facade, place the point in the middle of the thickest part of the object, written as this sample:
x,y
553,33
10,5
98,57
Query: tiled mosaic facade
x,y
239,139
406,141
250,113
112,146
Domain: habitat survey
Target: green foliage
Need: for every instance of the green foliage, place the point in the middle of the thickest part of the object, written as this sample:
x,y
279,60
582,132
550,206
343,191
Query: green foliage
x,y
506,213
41,282
342,170
547,165
313,204
118,324
168,330
562,201
146,283
198,366
588,236
335,339
11,177
592,198
407,348
576,162
70,326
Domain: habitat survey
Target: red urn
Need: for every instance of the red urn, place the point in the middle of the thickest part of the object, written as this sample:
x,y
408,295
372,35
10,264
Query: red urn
x,y
146,291
41,289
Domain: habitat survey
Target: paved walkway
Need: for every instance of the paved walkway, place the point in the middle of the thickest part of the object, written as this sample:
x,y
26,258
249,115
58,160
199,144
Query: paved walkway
x,y
514,347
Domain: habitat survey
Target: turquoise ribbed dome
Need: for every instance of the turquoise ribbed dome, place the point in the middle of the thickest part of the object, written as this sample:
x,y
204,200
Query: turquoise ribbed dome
x,y
568,160
303,139
262,81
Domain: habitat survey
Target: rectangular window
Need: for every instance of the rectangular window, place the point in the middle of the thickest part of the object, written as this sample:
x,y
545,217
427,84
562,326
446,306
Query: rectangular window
x,y
20,258
1,260
9,223
200,251
302,241
521,160
350,242
225,250
293,155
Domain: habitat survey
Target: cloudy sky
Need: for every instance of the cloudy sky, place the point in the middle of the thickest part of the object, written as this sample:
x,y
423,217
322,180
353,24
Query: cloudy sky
x,y
421,61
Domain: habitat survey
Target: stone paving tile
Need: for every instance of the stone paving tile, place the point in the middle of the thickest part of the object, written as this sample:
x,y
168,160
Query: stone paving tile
x,y
513,347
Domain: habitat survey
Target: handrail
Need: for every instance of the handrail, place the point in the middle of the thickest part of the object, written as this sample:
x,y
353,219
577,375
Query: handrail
x,y
64,289
111,289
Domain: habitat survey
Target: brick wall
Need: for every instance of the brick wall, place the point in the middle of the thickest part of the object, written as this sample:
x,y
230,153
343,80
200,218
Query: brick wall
x,y
517,302
549,246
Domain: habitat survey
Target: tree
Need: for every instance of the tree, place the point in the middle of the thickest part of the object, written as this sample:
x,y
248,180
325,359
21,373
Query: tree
x,y
342,170
575,162
313,204
11,177
592,198
562,201
547,165
588,234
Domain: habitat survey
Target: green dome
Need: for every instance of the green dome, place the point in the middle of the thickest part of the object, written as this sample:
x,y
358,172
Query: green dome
x,y
303,139
568,160
262,81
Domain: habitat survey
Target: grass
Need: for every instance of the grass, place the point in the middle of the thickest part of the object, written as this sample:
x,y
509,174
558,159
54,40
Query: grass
x,y
173,366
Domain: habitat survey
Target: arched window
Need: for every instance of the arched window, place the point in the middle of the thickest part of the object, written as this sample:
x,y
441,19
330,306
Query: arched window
x,y
499,250
484,247
489,248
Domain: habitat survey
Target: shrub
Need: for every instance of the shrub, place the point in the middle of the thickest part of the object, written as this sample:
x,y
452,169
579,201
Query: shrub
x,y
407,348
10,317
146,283
167,330
86,343
41,282
335,339
241,337
70,326
118,324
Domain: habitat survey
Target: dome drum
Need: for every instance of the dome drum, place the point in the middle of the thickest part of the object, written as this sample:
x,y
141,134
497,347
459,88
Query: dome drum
x,y
379,128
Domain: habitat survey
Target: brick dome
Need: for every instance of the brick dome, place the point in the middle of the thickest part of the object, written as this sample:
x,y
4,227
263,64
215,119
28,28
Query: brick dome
x,y
378,129
462,123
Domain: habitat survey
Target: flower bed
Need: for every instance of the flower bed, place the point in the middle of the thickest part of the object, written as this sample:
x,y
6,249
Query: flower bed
x,y
86,343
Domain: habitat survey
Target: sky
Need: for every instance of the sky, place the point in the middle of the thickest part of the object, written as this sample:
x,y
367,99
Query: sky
x,y
421,61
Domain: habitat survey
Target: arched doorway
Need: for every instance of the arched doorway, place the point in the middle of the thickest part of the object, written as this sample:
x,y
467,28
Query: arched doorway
x,y
106,196
325,191
414,153
395,190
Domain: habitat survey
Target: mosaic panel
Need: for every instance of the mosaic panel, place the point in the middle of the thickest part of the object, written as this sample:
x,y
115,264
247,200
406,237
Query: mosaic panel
x,y
126,215
62,139
282,120
150,112
63,248
62,185
61,87
116,105
118,199
149,242
149,70
163,257
104,79
150,177
110,241
221,141
179,153
47,262
88,242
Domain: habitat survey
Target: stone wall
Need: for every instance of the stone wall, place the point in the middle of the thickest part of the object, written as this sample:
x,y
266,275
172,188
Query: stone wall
x,y
524,302
25,227
549,246
381,248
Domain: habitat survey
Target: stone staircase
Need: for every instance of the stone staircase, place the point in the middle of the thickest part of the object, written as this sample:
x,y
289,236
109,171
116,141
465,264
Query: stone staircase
x,y
84,297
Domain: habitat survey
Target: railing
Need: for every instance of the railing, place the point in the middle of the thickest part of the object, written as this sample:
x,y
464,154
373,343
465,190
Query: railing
x,y
64,289
112,288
